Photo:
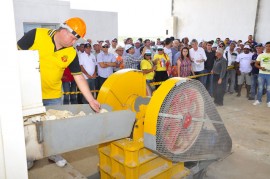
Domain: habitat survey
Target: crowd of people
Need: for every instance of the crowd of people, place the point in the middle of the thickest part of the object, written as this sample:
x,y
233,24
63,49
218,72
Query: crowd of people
x,y
88,67
222,66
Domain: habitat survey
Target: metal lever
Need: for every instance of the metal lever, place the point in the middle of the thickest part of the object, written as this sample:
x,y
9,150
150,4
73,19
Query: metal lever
x,y
39,128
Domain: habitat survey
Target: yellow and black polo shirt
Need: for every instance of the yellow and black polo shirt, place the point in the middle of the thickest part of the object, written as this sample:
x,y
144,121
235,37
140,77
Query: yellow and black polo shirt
x,y
52,62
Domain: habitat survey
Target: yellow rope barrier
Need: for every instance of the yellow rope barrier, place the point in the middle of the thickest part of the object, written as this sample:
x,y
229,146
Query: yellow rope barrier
x,y
154,83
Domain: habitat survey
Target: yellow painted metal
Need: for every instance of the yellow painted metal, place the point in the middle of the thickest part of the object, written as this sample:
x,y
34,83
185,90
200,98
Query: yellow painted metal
x,y
129,159
122,88
151,116
138,129
126,158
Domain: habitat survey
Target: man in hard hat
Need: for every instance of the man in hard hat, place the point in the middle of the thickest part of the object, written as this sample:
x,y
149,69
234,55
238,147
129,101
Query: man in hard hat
x,y
56,53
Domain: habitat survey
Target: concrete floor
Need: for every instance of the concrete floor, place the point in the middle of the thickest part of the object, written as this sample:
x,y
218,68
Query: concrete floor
x,y
248,126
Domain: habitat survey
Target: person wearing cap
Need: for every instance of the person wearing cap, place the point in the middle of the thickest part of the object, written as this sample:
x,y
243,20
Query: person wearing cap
x,y
137,48
263,63
81,49
129,60
113,46
88,66
219,80
255,71
78,46
162,61
148,68
238,49
56,52
97,49
244,73
119,58
106,62
214,46
230,55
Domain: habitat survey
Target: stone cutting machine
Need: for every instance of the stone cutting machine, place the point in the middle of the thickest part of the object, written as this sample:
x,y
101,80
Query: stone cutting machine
x,y
174,133
177,132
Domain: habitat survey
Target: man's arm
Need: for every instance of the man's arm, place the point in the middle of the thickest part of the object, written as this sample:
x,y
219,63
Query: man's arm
x,y
82,84
204,56
258,65
27,40
84,88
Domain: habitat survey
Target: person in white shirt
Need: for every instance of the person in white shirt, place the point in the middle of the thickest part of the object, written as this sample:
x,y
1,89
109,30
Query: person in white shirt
x,y
88,66
230,55
113,46
167,48
244,73
137,48
198,57
81,49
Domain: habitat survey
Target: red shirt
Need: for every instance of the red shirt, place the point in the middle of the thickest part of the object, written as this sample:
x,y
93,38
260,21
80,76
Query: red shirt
x,y
67,76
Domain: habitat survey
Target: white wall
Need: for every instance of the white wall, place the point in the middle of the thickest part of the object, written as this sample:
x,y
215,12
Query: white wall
x,y
263,22
100,25
12,141
39,11
208,19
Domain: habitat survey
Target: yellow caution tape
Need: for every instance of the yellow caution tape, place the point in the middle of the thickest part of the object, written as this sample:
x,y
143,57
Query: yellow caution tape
x,y
154,83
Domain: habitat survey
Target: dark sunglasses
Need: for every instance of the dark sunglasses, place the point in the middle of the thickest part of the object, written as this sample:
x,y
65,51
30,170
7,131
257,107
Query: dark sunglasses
x,y
160,49
148,55
221,46
105,46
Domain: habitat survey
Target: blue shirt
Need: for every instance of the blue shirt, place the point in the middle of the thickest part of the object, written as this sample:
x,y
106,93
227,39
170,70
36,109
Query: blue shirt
x,y
254,69
175,58
102,57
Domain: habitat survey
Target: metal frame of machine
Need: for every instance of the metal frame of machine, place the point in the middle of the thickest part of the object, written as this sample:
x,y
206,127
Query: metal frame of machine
x,y
131,157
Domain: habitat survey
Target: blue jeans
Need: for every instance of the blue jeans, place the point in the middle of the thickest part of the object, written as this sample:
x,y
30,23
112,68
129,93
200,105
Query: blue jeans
x,y
52,102
254,85
262,80
92,86
69,87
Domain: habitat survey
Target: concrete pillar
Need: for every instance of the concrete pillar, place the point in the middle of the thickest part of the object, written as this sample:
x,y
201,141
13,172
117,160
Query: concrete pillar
x,y
12,145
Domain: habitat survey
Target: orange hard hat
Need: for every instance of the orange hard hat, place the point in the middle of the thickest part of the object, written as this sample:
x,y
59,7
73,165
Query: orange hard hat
x,y
77,26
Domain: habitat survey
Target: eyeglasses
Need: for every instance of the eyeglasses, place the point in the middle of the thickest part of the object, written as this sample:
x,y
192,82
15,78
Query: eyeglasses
x,y
160,49
221,46
105,46
148,55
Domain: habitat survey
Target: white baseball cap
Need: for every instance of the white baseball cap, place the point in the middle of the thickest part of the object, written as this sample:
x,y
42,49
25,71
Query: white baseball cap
x,y
247,46
128,46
